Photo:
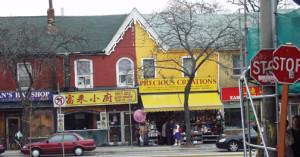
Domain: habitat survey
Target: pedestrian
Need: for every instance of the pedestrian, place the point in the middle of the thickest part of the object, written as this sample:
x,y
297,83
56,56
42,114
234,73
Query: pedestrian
x,y
177,134
292,138
164,133
169,132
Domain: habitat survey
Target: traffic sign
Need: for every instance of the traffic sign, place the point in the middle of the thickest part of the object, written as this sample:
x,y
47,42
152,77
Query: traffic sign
x,y
261,67
286,64
59,100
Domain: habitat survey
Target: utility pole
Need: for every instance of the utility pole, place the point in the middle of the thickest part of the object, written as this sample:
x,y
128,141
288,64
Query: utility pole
x,y
268,104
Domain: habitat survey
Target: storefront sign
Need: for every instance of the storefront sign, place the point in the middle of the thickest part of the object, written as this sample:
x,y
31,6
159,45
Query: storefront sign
x,y
61,122
177,85
233,94
34,96
101,97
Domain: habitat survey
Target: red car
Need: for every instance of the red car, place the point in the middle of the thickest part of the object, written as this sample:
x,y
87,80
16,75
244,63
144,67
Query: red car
x,y
2,149
72,143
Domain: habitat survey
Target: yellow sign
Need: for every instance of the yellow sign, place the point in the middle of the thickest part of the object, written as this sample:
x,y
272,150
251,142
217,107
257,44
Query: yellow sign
x,y
177,85
101,97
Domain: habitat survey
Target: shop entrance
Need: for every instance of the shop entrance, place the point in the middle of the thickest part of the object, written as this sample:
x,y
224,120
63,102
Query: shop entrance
x,y
119,128
12,127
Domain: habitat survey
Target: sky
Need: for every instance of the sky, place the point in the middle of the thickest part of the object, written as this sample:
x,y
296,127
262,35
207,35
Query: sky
x,y
79,8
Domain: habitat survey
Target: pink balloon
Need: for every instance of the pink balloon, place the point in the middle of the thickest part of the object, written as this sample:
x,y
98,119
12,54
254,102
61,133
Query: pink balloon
x,y
139,116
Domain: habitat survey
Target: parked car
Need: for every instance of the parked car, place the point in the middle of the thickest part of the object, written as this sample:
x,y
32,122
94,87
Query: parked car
x,y
72,143
235,143
2,148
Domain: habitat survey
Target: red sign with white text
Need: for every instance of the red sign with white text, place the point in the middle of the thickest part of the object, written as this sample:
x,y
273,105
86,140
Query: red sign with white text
x,y
233,94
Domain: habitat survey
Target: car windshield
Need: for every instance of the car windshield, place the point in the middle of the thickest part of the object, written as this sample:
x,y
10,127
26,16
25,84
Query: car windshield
x,y
252,132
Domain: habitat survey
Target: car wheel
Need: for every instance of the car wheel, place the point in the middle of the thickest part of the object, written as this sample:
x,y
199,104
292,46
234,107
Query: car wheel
x,y
36,152
233,146
78,151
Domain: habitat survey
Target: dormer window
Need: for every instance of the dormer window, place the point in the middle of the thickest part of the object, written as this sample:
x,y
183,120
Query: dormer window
x,y
84,73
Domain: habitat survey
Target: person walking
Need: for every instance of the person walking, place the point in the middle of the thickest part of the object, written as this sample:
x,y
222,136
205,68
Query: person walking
x,y
177,134
292,138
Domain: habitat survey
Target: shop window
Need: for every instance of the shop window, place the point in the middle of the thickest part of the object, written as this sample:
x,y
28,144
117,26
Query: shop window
x,y
148,68
84,73
125,72
23,74
231,116
236,64
187,64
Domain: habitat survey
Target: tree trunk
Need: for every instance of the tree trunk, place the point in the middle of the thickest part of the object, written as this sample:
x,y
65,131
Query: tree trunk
x,y
25,115
187,112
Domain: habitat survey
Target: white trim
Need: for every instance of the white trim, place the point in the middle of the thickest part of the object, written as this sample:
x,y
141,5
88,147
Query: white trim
x,y
131,71
154,59
133,18
182,57
91,74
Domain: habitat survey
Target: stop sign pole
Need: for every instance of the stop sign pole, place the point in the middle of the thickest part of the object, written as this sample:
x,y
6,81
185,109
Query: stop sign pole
x,y
286,67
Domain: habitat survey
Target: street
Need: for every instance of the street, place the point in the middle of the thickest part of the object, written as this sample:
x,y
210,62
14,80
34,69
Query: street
x,y
150,151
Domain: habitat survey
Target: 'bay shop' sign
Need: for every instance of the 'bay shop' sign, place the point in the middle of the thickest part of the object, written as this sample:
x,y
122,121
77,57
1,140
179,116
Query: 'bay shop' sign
x,y
34,96
177,85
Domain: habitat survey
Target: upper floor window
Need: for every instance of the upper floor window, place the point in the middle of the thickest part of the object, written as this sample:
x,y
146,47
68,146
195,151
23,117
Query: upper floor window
x,y
148,68
125,72
236,64
84,73
187,63
23,74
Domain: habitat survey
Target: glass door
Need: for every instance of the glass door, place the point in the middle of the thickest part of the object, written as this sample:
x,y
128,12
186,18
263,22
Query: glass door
x,y
12,127
127,128
115,135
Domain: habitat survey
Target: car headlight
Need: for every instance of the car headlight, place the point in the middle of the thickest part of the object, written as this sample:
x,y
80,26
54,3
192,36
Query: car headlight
x,y
222,140
25,147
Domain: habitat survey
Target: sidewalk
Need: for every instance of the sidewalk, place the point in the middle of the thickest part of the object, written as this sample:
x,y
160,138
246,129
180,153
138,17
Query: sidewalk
x,y
203,148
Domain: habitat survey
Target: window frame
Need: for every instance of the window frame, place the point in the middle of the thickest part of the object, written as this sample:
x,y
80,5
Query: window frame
x,y
77,76
154,65
182,59
18,73
118,73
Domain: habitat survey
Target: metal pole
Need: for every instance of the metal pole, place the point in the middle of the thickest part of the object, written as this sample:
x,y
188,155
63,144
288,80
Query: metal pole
x,y
130,120
63,149
242,114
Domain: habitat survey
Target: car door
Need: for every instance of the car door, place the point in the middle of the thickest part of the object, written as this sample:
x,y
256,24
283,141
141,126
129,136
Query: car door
x,y
53,145
70,141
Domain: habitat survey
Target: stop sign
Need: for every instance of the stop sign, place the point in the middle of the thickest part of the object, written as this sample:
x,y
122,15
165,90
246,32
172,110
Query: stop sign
x,y
261,67
286,64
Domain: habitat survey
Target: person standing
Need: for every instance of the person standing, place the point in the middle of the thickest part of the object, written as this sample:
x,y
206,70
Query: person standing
x,y
292,138
169,132
164,132
177,134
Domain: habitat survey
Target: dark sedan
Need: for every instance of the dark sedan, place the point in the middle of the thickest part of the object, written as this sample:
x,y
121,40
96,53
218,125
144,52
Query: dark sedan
x,y
71,142
2,149
235,143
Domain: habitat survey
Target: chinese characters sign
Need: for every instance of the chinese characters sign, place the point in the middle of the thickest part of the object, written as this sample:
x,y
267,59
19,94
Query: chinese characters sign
x,y
101,97
177,85
233,94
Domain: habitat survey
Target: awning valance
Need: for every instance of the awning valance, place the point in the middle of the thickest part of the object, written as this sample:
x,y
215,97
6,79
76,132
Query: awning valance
x,y
175,102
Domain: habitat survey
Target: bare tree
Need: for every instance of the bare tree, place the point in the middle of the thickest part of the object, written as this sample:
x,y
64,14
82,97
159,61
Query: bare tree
x,y
196,28
29,56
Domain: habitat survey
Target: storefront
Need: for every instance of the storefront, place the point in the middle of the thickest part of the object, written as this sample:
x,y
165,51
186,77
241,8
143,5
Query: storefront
x,y
100,115
11,115
232,110
163,100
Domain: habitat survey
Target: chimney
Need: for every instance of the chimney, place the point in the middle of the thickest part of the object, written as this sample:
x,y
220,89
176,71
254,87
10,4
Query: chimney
x,y
62,11
51,18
